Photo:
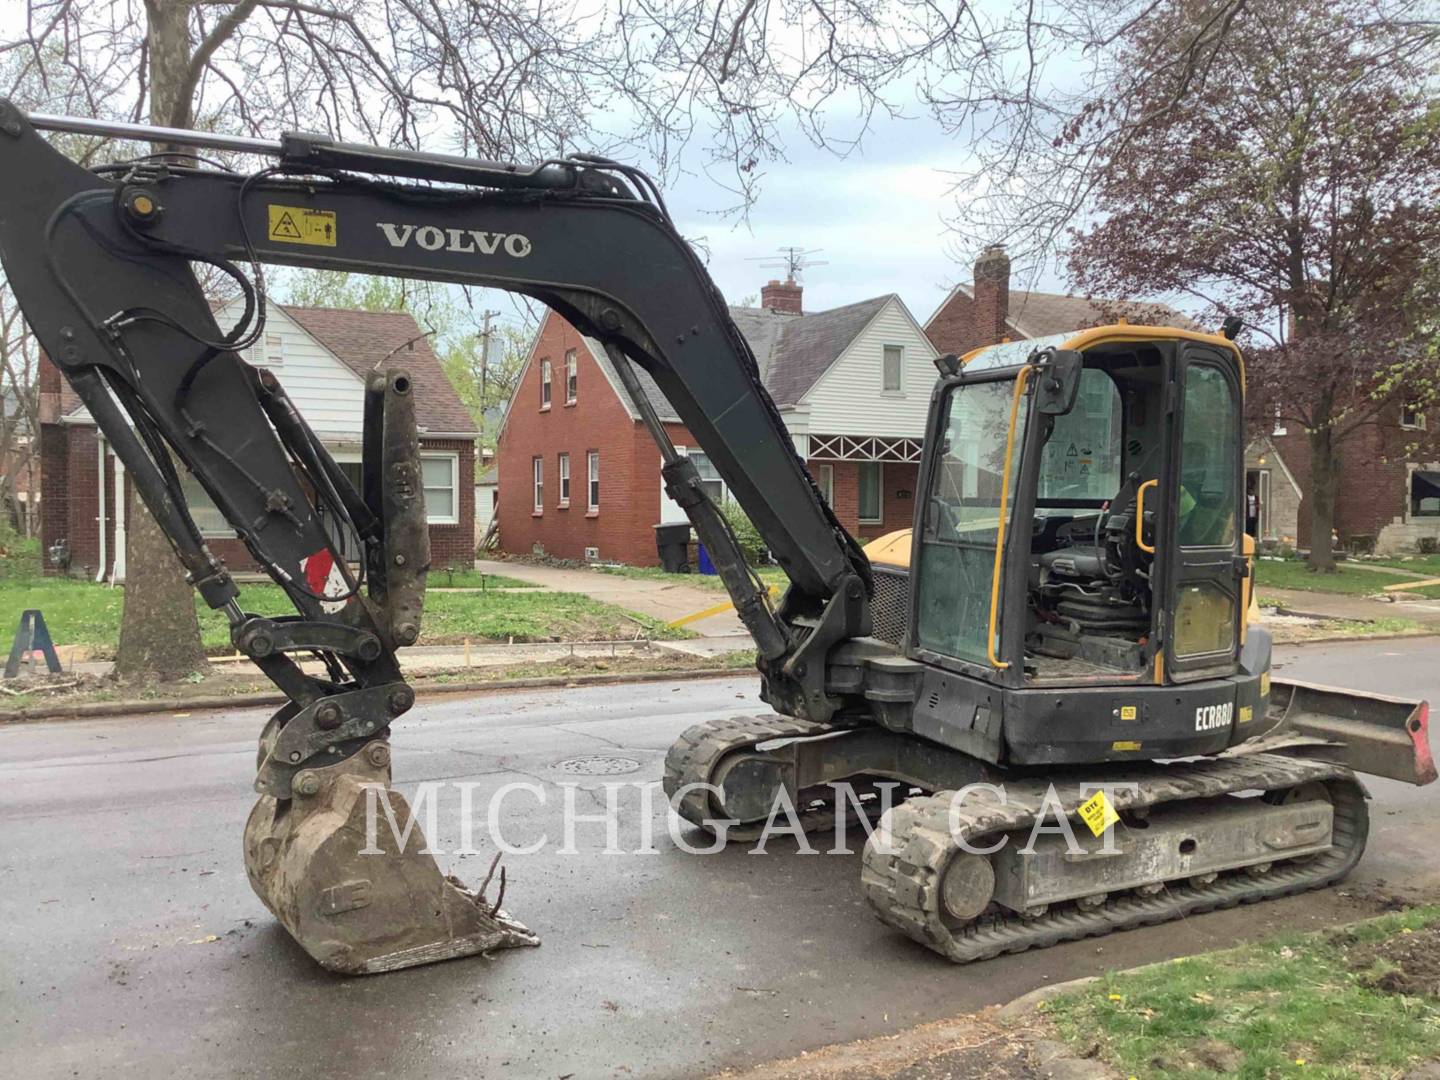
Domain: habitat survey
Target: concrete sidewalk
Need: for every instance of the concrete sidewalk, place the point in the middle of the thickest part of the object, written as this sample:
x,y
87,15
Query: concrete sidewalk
x,y
1345,606
419,658
658,598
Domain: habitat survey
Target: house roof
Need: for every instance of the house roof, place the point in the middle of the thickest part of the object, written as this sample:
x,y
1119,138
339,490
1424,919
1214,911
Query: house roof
x,y
362,339
792,351
365,340
1040,314
808,345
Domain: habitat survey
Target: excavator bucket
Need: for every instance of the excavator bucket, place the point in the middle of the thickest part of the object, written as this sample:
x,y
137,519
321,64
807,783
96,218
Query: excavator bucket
x,y
357,898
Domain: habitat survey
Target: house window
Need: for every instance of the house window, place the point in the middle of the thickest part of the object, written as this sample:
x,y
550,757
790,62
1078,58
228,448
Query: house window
x,y
572,377
441,473
871,477
592,469
710,481
1279,428
1424,493
892,370
825,480
268,351
564,470
537,467
1412,417
208,518
544,384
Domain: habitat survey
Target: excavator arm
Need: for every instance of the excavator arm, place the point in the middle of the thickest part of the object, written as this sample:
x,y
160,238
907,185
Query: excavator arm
x,y
101,261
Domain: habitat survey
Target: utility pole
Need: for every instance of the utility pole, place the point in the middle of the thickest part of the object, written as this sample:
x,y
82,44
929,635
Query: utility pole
x,y
485,360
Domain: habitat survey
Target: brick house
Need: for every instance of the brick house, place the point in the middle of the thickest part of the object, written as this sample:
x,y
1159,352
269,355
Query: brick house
x,y
322,356
579,476
1388,489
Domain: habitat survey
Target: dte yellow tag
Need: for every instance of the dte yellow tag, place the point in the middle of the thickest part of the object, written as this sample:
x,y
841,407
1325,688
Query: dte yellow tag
x,y
1098,814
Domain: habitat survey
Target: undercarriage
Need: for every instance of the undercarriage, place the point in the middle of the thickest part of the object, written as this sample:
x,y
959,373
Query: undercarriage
x,y
974,860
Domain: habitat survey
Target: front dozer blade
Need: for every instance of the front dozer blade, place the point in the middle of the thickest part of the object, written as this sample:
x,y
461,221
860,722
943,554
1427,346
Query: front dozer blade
x,y
358,909
1370,733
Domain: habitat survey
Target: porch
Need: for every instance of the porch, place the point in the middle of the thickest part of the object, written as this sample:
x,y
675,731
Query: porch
x,y
869,480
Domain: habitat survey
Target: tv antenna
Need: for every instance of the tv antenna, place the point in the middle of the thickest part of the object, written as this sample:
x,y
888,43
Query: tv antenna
x,y
793,260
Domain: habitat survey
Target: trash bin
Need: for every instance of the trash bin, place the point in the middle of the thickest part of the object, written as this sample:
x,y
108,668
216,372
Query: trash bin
x,y
671,543
706,566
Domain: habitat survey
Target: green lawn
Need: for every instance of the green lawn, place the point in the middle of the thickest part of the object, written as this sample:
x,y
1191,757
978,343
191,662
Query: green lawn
x,y
83,613
1419,564
1353,1002
1295,574
770,575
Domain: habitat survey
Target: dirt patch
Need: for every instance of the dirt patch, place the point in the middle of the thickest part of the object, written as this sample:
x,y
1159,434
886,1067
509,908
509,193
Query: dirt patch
x,y
1404,963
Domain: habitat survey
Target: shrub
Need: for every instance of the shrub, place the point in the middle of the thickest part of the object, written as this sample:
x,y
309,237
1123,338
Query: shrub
x,y
751,545
20,556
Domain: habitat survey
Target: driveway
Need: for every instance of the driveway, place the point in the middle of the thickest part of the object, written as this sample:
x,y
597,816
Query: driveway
x,y
659,598
131,945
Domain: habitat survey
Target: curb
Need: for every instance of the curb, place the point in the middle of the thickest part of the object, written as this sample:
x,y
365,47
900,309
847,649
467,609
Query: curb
x,y
1428,632
91,710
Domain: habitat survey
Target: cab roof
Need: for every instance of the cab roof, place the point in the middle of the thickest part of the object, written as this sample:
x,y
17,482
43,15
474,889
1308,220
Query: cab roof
x,y
1013,353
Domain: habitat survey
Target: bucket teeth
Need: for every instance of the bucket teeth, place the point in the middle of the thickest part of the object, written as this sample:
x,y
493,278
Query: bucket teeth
x,y
357,909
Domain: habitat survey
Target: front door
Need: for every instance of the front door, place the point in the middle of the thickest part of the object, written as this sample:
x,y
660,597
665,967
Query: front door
x,y
1205,505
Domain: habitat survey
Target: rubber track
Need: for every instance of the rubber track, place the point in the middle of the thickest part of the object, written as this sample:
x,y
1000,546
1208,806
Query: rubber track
x,y
692,759
904,887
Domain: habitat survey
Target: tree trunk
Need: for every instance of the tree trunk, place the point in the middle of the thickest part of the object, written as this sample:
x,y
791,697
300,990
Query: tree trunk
x,y
159,635
1324,474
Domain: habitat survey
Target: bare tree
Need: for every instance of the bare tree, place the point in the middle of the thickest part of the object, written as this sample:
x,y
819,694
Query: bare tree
x,y
19,417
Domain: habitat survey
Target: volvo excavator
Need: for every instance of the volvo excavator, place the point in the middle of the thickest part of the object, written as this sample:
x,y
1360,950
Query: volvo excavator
x,y
1068,611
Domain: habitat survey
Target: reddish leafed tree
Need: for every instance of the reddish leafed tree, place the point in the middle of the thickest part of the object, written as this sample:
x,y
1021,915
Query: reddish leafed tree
x,y
1294,183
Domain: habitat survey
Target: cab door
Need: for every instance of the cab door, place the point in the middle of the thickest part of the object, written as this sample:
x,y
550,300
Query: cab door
x,y
1203,505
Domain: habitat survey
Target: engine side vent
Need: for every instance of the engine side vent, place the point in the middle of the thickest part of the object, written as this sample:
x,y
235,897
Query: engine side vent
x,y
890,606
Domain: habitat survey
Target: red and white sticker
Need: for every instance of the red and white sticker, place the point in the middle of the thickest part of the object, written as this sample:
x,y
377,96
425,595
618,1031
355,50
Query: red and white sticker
x,y
323,578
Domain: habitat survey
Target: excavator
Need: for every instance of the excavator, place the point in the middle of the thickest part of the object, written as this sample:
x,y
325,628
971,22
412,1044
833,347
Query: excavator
x,y
1068,614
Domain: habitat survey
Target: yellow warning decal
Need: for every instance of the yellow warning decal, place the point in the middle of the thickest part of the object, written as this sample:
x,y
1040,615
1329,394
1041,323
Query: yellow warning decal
x,y
1127,712
1247,713
1098,814
297,225
1264,683
1125,744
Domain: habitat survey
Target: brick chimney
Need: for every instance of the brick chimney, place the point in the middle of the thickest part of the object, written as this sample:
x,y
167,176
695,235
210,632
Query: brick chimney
x,y
992,296
783,297
50,383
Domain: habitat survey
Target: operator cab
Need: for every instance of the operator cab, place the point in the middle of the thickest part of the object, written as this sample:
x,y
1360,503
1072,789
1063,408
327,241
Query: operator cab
x,y
1082,518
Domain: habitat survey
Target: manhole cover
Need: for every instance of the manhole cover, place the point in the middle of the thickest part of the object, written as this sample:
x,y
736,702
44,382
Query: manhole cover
x,y
598,766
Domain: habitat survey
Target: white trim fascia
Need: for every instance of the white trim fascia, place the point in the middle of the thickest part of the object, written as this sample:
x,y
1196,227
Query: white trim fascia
x,y
596,352
454,459
1280,460
524,370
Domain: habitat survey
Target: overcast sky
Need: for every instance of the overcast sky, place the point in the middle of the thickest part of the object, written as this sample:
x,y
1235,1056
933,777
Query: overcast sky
x,y
877,217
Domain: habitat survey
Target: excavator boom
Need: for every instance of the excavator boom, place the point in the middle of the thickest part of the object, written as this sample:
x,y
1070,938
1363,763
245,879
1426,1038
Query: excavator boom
x,y
101,263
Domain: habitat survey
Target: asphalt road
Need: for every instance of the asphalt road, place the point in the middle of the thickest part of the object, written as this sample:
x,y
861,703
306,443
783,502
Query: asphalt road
x,y
131,945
